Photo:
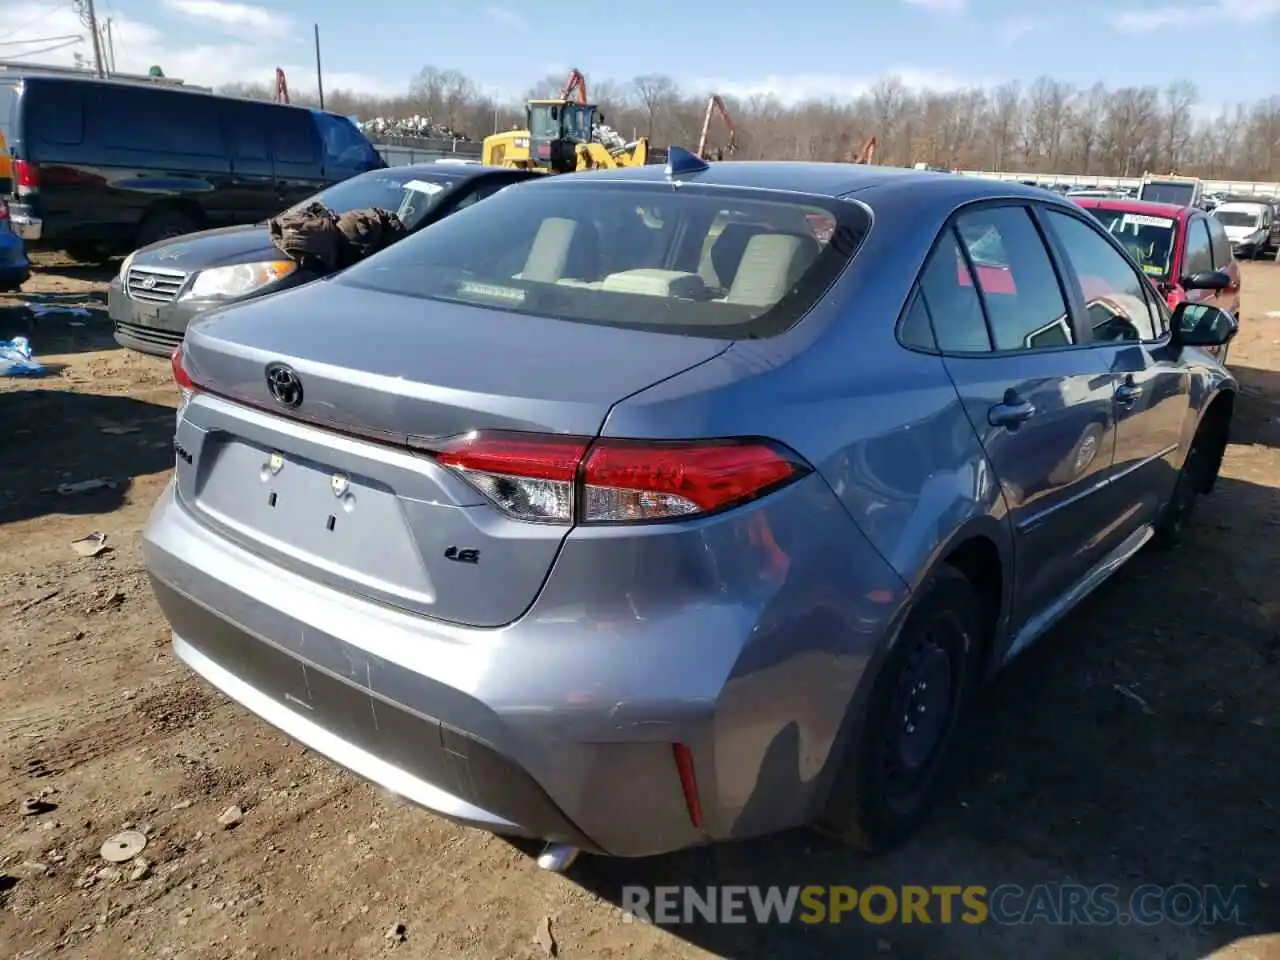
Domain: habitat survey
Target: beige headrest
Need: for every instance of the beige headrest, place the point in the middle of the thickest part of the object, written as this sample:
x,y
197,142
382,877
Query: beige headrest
x,y
771,265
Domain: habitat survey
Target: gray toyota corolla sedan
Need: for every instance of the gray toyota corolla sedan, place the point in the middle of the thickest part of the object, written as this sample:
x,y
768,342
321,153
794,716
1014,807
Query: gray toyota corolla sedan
x,y
639,509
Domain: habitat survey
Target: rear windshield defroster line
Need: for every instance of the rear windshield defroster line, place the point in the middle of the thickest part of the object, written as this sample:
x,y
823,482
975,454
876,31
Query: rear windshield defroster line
x,y
722,263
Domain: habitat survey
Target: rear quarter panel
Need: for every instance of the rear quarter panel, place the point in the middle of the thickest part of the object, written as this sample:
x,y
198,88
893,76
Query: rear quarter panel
x,y
882,424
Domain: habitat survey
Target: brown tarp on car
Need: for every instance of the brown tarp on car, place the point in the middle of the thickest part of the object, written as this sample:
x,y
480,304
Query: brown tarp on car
x,y
318,239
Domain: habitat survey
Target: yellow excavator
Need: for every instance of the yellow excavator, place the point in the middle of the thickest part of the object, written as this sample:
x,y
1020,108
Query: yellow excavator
x,y
560,137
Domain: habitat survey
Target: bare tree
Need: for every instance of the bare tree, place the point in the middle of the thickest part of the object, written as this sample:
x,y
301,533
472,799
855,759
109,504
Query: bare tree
x,y
1179,98
656,93
1048,128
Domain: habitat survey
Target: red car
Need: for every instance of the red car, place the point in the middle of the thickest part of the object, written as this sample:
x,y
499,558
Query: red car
x,y
1184,251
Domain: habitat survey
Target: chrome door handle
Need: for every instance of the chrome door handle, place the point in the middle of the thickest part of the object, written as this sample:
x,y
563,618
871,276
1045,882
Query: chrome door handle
x,y
1127,393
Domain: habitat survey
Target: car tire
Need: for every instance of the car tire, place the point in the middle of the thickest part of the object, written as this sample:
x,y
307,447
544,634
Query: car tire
x,y
164,225
1199,470
89,255
887,779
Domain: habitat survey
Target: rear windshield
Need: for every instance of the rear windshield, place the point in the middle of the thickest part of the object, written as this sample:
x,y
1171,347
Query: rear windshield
x,y
1238,218
702,261
1148,239
1180,194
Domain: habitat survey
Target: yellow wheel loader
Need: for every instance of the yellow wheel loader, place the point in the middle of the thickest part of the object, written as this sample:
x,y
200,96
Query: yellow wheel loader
x,y
560,137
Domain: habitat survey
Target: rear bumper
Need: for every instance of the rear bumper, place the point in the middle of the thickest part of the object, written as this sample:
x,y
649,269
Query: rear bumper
x,y
561,725
27,226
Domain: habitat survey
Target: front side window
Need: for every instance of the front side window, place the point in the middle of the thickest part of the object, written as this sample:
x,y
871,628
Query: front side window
x,y
1220,244
1115,295
344,145
1020,290
553,249
1197,257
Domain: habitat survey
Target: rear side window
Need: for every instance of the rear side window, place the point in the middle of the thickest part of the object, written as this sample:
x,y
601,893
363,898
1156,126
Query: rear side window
x,y
8,106
247,129
1220,245
55,117
949,293
155,121
1197,256
293,136
1020,290
700,261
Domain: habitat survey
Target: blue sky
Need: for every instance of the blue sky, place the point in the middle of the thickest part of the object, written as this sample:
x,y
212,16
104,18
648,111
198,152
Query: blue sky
x,y
823,48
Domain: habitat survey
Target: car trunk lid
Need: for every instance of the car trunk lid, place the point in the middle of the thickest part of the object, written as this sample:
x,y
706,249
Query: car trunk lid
x,y
329,487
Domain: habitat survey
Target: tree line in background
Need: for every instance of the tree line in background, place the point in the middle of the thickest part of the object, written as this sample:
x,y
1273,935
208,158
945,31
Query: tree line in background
x,y
1046,126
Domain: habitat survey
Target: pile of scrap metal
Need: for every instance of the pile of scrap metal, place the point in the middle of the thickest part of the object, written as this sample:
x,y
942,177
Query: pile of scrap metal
x,y
417,127
321,241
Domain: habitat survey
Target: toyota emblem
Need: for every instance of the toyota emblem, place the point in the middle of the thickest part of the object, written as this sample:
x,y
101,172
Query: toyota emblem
x,y
284,385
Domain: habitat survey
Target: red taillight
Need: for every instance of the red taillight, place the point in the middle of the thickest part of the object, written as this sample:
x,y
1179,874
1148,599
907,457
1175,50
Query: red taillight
x,y
26,174
688,783
4,211
180,375
553,479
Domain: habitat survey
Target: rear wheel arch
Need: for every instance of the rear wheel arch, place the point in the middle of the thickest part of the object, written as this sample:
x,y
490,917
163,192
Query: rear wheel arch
x,y
1217,418
164,214
980,552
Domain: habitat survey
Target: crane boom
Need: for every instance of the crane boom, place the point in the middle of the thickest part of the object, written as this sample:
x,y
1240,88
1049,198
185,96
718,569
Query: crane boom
x,y
715,104
576,83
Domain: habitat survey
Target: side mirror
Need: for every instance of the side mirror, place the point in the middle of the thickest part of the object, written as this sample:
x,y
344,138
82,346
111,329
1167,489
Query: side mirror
x,y
1207,280
1200,325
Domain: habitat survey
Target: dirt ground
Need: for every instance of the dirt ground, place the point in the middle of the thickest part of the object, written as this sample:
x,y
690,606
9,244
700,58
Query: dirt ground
x,y
1140,743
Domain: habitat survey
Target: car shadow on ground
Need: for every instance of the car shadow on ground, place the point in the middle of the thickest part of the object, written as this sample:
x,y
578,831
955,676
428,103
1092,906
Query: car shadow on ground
x,y
1257,418
58,323
1136,744
76,453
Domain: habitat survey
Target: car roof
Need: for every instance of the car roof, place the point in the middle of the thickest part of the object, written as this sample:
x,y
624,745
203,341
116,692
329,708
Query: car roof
x,y
40,79
449,171
1171,211
825,179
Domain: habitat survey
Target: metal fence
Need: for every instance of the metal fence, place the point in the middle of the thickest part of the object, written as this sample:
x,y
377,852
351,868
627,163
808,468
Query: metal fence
x,y
427,151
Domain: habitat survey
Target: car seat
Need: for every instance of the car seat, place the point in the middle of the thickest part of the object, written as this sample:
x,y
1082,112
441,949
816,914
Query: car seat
x,y
720,267
771,265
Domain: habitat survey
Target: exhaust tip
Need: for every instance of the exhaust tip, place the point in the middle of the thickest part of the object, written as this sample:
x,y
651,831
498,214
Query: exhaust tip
x,y
557,857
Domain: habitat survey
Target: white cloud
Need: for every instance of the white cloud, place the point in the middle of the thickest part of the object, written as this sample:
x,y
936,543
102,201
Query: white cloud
x,y
1151,19
504,17
790,89
1014,30
206,62
940,6
240,16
